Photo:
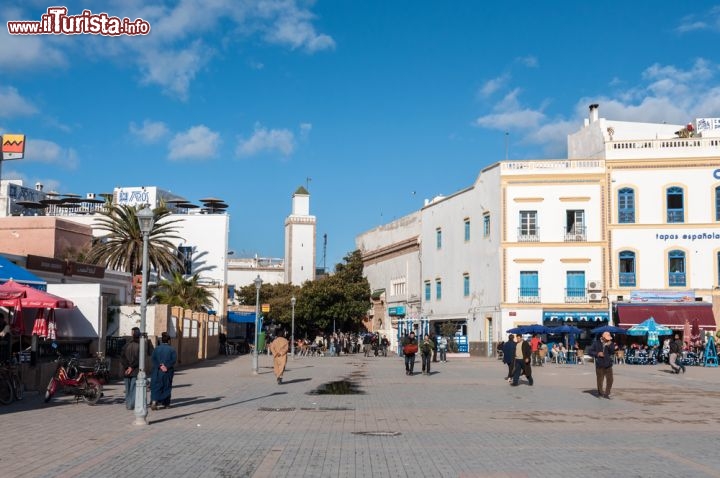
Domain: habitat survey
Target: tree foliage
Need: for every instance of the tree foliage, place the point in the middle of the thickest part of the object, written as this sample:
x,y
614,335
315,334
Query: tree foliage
x,y
185,293
342,297
121,247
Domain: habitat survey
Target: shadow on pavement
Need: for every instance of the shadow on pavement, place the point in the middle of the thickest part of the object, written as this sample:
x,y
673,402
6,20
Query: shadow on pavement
x,y
295,380
175,417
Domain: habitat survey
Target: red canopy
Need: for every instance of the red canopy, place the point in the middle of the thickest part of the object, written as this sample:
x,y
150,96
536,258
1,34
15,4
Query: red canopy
x,y
30,297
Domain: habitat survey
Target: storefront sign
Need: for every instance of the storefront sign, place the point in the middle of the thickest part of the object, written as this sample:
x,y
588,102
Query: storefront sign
x,y
67,268
395,311
575,316
662,296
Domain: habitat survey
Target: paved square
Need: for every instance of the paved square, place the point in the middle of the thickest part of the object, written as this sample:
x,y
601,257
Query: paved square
x,y
464,420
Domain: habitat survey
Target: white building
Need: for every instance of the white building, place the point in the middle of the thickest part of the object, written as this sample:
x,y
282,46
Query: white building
x,y
557,241
300,240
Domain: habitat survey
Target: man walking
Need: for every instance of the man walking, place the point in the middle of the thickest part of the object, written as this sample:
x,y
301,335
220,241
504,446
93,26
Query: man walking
x,y
675,353
279,350
535,349
508,350
409,349
603,350
522,361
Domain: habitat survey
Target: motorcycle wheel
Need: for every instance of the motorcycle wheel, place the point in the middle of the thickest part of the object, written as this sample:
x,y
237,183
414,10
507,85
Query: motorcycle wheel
x,y
18,387
6,393
93,391
50,390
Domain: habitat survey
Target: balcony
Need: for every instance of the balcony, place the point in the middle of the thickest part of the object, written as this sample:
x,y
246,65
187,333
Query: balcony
x,y
528,234
675,216
677,279
528,295
576,295
627,279
575,234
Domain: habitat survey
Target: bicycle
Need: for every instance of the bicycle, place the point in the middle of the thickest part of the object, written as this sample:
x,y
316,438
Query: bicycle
x,y
11,386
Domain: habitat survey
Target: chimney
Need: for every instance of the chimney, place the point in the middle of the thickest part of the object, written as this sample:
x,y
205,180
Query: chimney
x,y
38,186
594,112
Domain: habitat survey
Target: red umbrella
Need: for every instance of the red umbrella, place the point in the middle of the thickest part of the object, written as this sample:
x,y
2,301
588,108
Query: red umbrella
x,y
11,292
40,327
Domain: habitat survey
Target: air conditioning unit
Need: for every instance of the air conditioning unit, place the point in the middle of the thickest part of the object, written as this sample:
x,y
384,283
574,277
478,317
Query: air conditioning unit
x,y
594,285
595,297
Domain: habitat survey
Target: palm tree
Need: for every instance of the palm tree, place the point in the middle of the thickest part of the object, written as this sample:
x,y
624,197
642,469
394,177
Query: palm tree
x,y
121,248
182,292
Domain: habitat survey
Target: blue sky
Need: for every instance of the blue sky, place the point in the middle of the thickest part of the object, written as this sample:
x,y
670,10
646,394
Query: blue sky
x,y
381,103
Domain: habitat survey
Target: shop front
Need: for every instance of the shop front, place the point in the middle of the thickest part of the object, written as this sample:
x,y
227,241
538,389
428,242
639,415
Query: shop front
x,y
585,320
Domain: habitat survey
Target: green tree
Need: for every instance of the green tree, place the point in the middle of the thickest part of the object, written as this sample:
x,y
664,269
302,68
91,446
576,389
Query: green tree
x,y
342,298
182,292
121,247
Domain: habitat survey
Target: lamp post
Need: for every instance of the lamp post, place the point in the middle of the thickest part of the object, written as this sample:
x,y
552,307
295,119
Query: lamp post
x,y
146,220
258,283
292,328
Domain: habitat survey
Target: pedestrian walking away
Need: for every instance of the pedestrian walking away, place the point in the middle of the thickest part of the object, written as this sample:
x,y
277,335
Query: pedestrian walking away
x,y
603,351
279,350
522,361
130,361
426,352
409,349
164,358
509,356
442,348
676,346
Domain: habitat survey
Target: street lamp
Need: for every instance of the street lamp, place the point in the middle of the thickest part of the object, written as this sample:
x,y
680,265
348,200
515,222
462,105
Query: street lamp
x,y
258,283
146,220
292,333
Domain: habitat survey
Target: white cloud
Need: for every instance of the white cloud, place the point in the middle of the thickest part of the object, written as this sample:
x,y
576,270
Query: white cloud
x,y
528,61
49,152
305,129
23,52
198,142
709,20
293,26
150,131
12,104
174,69
264,140
493,85
664,93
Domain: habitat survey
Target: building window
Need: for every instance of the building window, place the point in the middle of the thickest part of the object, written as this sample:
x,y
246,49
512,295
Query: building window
x,y
575,286
486,224
529,291
676,266
466,285
438,289
626,206
466,225
718,268
575,225
427,290
185,254
675,207
398,287
627,269
438,238
528,230
717,203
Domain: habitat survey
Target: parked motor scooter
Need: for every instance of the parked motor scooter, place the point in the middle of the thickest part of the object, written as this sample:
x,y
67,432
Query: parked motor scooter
x,y
81,384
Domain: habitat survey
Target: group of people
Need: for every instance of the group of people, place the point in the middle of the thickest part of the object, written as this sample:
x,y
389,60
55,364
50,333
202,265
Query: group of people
x,y
427,349
162,362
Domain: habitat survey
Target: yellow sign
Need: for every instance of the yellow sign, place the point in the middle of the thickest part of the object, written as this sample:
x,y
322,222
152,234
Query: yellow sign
x,y
265,308
13,146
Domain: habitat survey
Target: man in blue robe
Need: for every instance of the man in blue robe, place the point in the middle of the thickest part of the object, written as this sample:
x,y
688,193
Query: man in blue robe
x,y
163,369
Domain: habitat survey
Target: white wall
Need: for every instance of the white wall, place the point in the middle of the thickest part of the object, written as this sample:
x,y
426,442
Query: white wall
x,y
84,320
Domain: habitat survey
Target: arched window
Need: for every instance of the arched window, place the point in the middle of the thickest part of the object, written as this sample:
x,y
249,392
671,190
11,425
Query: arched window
x,y
675,204
676,269
627,269
626,206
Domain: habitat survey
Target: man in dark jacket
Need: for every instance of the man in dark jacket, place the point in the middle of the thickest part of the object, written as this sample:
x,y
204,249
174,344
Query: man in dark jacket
x,y
508,351
130,360
409,357
603,350
675,353
523,352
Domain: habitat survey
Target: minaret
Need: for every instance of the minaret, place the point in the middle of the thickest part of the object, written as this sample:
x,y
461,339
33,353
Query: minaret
x,y
300,232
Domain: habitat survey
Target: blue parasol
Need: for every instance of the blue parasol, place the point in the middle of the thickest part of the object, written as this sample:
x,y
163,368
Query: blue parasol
x,y
650,328
608,328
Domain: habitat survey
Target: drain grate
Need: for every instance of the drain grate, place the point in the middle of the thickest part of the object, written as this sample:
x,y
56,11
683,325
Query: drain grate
x,y
378,434
270,409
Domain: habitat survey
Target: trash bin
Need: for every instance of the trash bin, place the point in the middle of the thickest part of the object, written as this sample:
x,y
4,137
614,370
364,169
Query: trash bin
x,y
261,342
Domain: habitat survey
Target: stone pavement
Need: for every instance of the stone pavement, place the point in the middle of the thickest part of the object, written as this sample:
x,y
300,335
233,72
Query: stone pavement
x,y
464,420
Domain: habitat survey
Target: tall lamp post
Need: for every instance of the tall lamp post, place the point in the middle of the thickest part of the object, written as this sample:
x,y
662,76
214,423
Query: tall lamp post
x,y
258,283
146,220
292,333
